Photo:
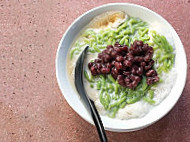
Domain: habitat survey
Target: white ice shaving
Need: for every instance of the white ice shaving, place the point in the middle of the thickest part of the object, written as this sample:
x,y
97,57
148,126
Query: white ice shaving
x,y
136,110
163,89
100,107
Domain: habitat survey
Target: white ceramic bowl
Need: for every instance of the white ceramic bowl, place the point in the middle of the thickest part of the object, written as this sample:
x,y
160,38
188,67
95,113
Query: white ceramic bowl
x,y
153,19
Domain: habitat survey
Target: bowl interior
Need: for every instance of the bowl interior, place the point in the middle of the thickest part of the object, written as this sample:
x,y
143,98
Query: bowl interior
x,y
155,21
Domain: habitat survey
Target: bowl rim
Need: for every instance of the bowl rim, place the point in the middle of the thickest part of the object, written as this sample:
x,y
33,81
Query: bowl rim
x,y
119,4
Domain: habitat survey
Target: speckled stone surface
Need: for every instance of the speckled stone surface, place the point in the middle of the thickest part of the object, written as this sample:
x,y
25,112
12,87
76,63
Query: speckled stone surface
x,y
32,108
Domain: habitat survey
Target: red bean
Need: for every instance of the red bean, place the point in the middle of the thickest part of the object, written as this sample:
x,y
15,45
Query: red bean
x,y
151,73
140,71
114,75
117,49
132,77
127,80
147,57
117,44
145,47
150,50
100,55
137,79
93,70
130,57
119,59
108,51
134,84
120,79
109,47
143,64
99,65
138,59
123,53
115,71
134,44
105,70
126,73
106,58
126,65
151,80
90,64
139,43
98,61
134,69
104,52
118,65
124,48
109,65
113,63
98,71
113,54
149,66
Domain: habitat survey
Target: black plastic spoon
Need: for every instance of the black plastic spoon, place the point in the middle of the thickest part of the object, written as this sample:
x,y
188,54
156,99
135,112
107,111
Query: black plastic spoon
x,y
88,103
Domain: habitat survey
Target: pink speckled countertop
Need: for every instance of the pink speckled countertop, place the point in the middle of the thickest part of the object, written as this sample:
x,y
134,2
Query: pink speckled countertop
x,y
32,108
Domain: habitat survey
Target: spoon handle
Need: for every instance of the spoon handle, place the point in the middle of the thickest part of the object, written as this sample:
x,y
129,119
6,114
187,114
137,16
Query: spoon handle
x,y
98,122
84,96
94,113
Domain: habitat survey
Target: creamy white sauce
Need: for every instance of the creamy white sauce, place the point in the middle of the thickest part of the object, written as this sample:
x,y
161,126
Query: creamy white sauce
x,y
136,110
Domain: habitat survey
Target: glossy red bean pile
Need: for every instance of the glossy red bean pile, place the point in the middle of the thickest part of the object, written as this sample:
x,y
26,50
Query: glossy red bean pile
x,y
126,65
